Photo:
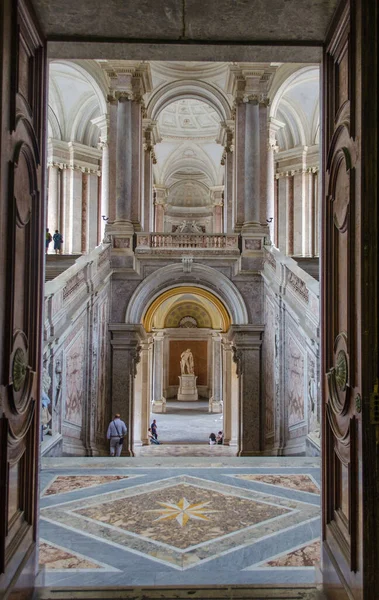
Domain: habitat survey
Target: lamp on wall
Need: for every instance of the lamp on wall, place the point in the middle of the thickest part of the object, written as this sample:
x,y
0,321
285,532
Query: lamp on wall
x,y
269,220
104,218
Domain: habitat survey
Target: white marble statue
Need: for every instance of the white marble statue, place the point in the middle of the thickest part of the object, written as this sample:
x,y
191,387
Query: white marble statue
x,y
186,362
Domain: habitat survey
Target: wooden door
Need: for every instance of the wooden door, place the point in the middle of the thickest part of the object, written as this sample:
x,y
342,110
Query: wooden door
x,y
21,291
349,306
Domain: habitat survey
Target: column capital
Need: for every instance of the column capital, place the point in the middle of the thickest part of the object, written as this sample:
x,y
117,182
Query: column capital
x,y
132,78
260,99
161,193
102,145
247,80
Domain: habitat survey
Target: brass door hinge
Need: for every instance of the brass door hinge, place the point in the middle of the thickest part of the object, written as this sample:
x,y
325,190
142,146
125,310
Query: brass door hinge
x,y
374,409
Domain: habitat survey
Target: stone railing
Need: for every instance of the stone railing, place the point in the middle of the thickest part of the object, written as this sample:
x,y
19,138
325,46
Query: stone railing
x,y
68,290
293,281
192,241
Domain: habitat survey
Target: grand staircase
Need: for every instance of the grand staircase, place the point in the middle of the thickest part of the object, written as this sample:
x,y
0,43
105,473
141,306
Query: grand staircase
x,y
58,263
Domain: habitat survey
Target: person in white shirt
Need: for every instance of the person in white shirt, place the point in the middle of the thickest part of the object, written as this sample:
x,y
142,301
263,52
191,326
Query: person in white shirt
x,y
115,434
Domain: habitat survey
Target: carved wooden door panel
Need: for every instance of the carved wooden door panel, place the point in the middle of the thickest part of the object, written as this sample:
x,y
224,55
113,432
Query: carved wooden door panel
x,y
21,291
347,433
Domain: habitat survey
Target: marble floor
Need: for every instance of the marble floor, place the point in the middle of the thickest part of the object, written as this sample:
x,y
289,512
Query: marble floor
x,y
179,521
187,422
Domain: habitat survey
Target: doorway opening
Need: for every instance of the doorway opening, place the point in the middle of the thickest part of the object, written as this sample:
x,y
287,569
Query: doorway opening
x,y
203,316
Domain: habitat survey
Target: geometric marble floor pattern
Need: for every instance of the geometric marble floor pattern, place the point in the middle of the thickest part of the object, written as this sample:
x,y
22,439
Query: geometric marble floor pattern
x,y
179,521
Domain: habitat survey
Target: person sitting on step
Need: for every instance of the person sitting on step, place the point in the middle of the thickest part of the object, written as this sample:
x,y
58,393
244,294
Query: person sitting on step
x,y
152,439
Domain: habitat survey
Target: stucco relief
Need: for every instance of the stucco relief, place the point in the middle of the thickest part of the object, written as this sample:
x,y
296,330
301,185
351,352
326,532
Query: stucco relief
x,y
75,380
295,382
102,367
269,368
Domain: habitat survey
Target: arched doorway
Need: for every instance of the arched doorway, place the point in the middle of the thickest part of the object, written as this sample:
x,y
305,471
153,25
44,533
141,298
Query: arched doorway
x,y
231,347
187,318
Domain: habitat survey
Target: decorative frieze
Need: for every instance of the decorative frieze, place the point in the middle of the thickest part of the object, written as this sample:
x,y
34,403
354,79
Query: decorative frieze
x,y
73,284
298,285
292,172
120,243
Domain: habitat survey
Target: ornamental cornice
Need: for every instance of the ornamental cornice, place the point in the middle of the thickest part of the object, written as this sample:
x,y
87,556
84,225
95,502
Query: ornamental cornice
x,y
151,131
292,172
74,167
225,135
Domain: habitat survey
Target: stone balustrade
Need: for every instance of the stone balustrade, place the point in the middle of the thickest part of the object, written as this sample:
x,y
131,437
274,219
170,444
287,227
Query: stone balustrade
x,y
291,355
76,356
228,243
71,288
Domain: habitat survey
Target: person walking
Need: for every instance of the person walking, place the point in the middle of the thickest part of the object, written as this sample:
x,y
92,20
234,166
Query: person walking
x,y
58,239
115,434
48,240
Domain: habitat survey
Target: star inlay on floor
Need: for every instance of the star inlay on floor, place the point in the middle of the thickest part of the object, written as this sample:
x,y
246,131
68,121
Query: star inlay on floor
x,y
183,511
148,524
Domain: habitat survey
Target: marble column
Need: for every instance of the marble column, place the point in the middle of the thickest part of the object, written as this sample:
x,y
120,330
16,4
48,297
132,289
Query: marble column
x,y
159,208
246,341
252,165
74,208
124,162
112,153
217,218
285,214
103,123
126,345
122,389
145,392
104,206
228,161
227,360
147,225
53,199
92,210
270,216
215,401
238,156
263,153
272,149
159,401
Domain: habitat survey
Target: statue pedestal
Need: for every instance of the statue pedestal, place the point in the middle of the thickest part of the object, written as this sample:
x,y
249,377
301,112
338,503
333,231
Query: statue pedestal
x,y
187,388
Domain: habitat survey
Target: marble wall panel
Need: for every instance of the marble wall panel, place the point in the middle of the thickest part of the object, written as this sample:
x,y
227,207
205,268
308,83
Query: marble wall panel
x,y
269,368
74,378
294,381
102,381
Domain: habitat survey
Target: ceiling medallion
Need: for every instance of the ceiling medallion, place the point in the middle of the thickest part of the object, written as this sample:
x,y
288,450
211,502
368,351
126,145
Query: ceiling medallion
x,y
19,368
341,370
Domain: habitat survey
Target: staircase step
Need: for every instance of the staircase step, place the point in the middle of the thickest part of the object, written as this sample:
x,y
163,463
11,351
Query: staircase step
x,y
233,592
